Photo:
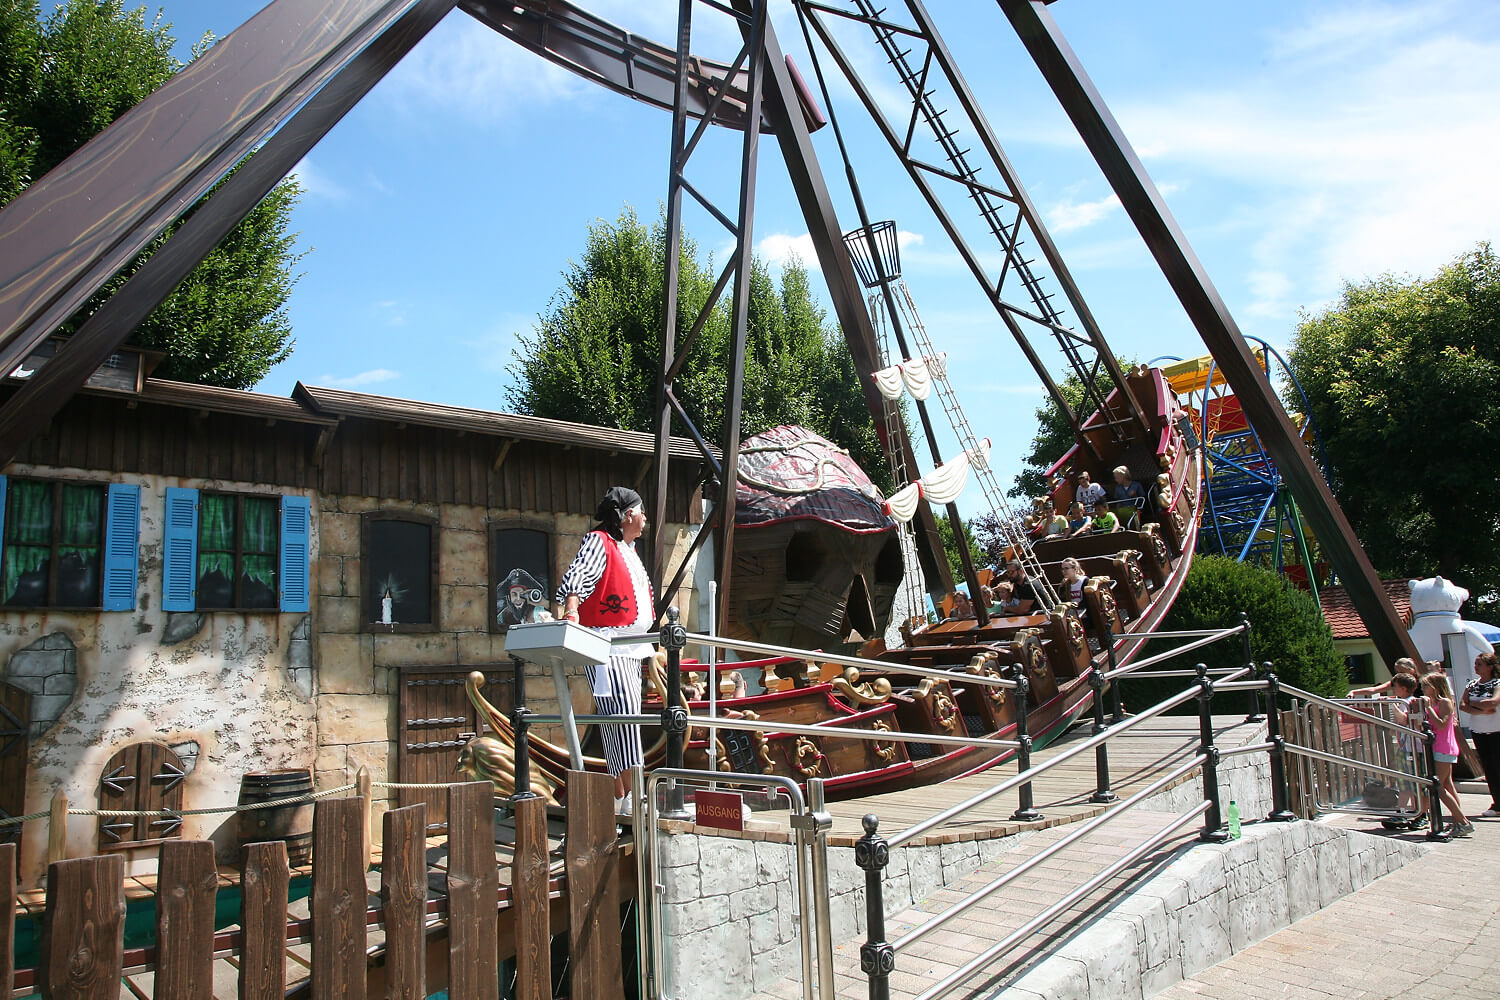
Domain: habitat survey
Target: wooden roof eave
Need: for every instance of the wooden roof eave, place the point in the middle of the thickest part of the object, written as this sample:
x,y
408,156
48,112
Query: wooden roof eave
x,y
338,403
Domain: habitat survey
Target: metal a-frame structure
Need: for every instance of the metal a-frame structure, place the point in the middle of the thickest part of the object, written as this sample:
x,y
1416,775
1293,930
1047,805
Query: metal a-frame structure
x,y
277,84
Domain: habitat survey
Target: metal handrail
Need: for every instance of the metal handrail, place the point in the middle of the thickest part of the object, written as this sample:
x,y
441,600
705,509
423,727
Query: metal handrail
x,y
1031,926
1216,671
1031,774
1356,765
840,732
1364,718
1169,654
1249,748
1190,633
1084,829
744,645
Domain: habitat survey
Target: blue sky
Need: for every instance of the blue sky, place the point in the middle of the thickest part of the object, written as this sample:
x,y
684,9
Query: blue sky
x,y
1300,144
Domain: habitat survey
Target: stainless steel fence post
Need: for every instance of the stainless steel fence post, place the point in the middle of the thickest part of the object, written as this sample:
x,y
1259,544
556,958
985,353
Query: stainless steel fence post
x,y
877,958
1213,821
1280,813
1102,792
1027,811
518,720
673,715
817,802
1254,714
644,827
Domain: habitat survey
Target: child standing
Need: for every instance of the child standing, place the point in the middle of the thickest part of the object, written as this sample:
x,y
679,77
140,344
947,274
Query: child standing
x,y
1443,715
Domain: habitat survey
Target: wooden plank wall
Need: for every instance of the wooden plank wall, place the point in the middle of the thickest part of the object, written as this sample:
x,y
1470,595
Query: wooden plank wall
x,y
83,956
369,458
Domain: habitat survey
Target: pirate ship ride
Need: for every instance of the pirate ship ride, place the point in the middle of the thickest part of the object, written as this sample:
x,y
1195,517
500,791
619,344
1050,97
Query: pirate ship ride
x,y
803,496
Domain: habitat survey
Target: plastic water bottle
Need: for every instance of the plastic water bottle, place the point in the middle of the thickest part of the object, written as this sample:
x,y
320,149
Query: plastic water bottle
x,y
1234,820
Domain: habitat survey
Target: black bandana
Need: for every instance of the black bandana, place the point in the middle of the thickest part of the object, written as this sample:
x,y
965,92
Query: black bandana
x,y
617,500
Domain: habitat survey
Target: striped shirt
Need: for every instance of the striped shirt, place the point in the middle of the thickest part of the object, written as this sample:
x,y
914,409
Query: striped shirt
x,y
584,574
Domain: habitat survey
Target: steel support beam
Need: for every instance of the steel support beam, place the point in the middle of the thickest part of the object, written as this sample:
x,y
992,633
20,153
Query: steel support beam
x,y
102,333
844,289
1126,174
71,231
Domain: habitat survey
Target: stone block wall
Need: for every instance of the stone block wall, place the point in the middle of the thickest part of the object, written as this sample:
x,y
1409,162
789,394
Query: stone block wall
x,y
1211,902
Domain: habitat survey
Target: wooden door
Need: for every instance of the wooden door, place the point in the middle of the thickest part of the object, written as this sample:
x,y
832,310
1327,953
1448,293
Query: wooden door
x,y
142,776
15,753
436,721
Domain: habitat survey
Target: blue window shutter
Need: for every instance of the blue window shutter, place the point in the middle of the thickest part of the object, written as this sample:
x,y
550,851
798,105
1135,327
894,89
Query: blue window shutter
x,y
122,546
296,527
180,551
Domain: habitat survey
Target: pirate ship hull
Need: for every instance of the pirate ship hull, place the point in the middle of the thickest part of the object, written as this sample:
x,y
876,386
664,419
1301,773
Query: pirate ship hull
x,y
1133,577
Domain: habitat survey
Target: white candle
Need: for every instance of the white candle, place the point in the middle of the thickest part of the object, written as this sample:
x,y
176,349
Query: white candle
x,y
385,609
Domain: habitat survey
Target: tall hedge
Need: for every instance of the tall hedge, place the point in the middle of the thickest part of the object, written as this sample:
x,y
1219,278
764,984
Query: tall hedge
x,y
1286,628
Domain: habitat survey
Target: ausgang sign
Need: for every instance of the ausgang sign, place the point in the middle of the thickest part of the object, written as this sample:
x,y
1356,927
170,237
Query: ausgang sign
x,y
723,810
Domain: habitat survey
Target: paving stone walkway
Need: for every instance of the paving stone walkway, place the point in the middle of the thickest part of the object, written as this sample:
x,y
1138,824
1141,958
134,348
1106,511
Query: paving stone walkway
x,y
1429,931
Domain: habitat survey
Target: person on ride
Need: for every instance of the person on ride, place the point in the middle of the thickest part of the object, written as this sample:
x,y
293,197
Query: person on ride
x,y
1126,488
1403,692
1078,521
1022,596
1088,493
1443,716
1050,523
1482,701
1104,522
1073,576
607,589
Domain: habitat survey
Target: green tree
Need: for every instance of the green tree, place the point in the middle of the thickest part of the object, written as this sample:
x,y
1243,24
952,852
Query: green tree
x,y
1286,628
1403,379
594,354
65,78
951,550
1053,435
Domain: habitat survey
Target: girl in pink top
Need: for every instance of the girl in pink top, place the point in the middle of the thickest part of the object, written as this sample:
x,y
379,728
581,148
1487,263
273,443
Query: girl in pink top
x,y
1444,718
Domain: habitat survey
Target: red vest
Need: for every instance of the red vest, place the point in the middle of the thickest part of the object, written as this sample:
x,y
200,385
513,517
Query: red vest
x,y
613,599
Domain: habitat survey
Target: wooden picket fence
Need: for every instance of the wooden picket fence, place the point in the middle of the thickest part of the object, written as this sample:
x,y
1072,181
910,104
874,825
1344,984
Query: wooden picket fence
x,y
82,943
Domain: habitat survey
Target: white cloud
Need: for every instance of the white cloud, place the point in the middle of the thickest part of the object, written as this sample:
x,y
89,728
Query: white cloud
x,y
1365,144
778,248
1066,216
316,183
371,377
464,67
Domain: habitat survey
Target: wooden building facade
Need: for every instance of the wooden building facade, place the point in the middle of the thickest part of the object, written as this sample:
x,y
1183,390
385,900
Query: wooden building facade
x,y
240,583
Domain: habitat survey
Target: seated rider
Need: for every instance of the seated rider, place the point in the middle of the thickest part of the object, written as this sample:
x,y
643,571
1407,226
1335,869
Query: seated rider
x,y
1022,598
1050,523
1088,493
1078,521
1128,492
1104,522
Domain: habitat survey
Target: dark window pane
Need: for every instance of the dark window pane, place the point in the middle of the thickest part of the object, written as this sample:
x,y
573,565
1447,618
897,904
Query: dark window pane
x,y
82,515
23,575
215,580
258,582
522,563
77,577
400,569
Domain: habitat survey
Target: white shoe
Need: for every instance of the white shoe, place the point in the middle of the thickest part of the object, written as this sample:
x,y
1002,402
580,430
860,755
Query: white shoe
x,y
625,805
1490,813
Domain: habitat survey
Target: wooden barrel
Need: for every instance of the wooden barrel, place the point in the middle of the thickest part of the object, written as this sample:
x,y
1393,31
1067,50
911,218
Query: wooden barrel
x,y
291,823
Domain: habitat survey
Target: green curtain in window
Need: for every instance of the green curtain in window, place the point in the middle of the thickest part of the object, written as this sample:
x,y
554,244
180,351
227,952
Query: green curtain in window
x,y
82,516
260,537
216,525
28,517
